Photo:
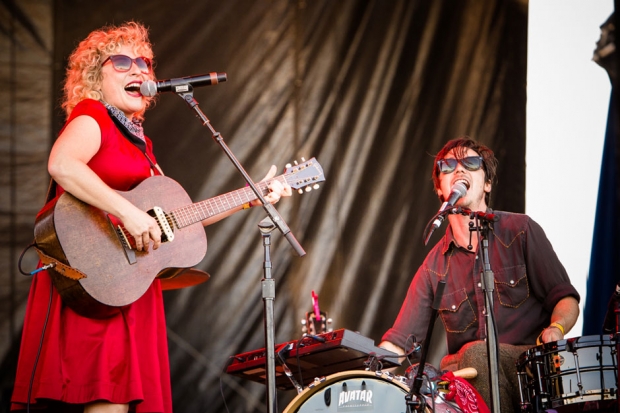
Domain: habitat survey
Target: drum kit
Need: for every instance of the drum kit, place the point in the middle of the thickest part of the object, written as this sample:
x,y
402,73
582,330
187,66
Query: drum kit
x,y
567,376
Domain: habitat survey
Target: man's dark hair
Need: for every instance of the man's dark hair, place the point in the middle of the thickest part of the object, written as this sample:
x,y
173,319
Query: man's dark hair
x,y
460,147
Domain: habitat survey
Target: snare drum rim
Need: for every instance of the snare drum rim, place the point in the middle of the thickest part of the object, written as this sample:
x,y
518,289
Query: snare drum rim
x,y
530,381
545,349
333,378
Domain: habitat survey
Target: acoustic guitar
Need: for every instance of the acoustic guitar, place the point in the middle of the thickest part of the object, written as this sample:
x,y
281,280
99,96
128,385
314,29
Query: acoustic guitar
x,y
95,267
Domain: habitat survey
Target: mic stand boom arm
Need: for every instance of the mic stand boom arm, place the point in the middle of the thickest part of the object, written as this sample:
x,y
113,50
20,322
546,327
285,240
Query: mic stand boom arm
x,y
188,97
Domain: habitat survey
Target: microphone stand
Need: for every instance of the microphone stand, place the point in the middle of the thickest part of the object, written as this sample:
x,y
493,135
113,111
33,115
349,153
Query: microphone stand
x,y
481,226
268,285
274,220
419,404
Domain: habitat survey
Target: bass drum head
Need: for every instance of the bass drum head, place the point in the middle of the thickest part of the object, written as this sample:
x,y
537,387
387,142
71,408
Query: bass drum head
x,y
360,391
352,391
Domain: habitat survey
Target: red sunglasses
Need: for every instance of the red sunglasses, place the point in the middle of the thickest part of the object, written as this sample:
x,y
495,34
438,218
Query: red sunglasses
x,y
123,63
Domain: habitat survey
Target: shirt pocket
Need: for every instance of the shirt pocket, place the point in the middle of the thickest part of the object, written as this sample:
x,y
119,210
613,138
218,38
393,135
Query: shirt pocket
x,y
457,312
513,288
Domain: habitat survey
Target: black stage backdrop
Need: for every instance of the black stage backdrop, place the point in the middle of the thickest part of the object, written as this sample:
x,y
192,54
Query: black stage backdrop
x,y
372,89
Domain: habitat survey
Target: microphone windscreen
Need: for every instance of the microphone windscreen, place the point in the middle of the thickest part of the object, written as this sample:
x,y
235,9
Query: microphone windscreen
x,y
148,88
458,187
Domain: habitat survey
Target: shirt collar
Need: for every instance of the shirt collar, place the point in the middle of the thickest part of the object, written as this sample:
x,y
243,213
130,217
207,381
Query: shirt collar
x,y
448,240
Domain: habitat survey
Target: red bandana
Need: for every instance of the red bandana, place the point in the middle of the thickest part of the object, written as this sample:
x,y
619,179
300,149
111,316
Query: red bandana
x,y
465,395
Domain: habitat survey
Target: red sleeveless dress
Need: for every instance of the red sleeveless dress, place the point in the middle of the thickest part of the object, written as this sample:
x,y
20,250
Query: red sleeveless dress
x,y
121,359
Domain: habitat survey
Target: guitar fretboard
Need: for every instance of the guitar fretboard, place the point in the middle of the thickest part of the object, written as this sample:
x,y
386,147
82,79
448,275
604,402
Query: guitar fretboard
x,y
199,211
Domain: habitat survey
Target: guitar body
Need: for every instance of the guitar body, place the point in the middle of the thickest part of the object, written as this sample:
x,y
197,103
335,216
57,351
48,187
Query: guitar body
x,y
96,271
82,237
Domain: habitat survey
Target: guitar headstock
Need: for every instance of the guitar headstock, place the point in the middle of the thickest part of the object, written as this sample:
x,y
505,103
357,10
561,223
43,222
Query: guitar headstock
x,y
314,325
304,176
316,321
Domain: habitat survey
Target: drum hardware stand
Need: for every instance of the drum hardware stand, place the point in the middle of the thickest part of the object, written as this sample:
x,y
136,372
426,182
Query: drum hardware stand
x,y
287,371
616,336
414,399
611,325
266,226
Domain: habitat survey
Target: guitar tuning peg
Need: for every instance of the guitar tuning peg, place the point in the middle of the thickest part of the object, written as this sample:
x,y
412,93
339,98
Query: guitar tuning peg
x,y
308,188
303,322
288,165
315,186
300,191
303,159
295,162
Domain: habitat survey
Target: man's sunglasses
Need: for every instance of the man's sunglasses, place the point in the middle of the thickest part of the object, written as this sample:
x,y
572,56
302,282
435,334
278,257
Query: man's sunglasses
x,y
123,63
471,163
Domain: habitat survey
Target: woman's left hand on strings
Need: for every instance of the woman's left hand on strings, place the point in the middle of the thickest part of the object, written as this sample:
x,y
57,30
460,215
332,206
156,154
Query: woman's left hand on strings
x,y
276,188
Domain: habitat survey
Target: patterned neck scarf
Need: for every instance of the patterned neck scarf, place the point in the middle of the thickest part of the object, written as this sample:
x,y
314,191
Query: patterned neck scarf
x,y
132,126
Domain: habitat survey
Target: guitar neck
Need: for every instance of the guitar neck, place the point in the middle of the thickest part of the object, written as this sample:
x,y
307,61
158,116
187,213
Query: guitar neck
x,y
199,211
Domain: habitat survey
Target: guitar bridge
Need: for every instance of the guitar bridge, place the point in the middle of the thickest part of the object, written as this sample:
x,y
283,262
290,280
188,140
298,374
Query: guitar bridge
x,y
162,220
120,233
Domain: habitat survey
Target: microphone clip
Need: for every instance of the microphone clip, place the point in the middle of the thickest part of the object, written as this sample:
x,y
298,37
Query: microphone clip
x,y
436,221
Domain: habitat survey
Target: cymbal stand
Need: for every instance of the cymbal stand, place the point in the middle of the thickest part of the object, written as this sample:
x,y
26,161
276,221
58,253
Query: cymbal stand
x,y
274,220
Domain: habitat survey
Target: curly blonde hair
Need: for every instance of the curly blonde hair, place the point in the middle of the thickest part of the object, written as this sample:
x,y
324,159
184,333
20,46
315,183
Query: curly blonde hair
x,y
84,74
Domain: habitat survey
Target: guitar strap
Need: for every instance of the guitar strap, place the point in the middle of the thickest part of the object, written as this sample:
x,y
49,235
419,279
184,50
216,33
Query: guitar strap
x,y
131,137
59,267
139,143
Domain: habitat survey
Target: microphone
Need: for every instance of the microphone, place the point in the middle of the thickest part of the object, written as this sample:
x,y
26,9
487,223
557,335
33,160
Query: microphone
x,y
150,88
459,189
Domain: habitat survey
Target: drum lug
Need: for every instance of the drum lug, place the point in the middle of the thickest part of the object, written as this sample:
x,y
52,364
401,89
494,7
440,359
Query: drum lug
x,y
316,382
387,375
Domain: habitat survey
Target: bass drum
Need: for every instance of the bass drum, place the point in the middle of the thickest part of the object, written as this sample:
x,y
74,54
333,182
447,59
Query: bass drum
x,y
360,391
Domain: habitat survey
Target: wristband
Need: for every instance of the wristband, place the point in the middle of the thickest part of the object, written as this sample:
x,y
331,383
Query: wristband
x,y
558,326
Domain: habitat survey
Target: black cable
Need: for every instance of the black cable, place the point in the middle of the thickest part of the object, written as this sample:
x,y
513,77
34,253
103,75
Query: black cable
x,y
301,376
297,347
21,256
36,360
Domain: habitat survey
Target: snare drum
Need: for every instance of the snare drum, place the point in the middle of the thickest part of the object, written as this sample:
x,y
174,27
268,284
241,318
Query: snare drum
x,y
360,391
570,375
